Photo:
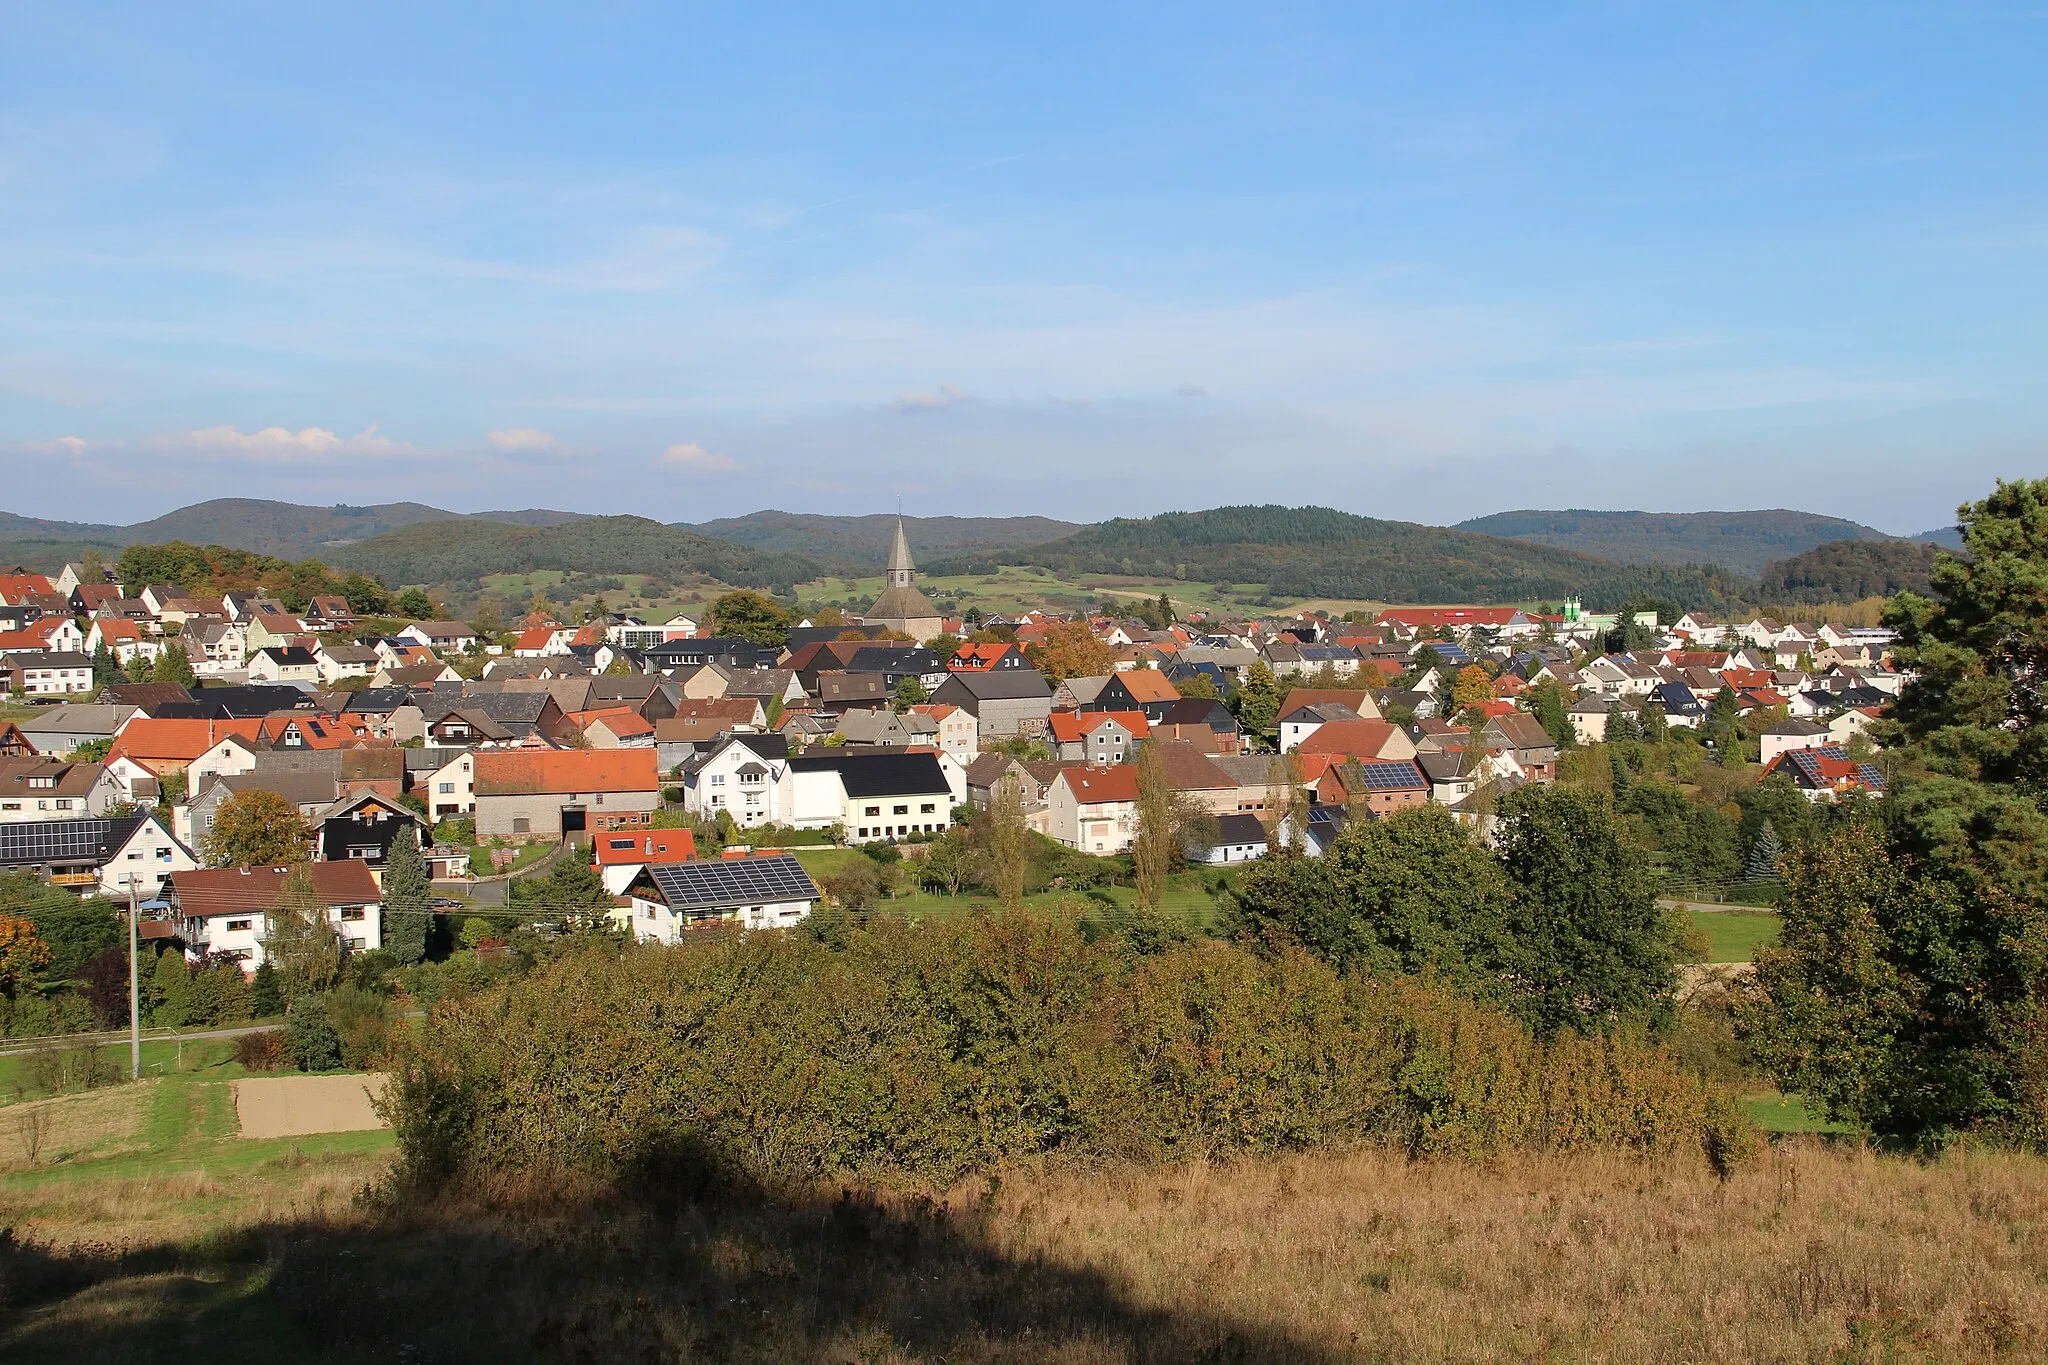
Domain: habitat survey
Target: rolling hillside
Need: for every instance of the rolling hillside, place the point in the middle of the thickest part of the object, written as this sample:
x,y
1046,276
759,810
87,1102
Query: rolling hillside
x,y
463,551
1847,570
287,530
1319,552
862,543
1744,541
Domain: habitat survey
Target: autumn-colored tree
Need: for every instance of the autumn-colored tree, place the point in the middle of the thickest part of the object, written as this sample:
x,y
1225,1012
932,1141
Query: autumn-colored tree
x,y
1474,687
23,954
1199,685
256,828
1072,651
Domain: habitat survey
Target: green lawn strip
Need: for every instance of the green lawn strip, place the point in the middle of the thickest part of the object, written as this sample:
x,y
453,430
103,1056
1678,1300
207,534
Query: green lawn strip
x,y
213,1058
1735,935
223,1157
1188,895
1778,1113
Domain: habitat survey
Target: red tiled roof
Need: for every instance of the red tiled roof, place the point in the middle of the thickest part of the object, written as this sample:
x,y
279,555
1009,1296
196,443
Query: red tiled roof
x,y
1351,738
253,890
566,771
647,846
1096,786
1447,616
620,720
973,658
1146,684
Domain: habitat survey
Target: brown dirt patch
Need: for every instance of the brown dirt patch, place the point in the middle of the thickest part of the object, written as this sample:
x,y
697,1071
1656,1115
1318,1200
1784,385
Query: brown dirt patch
x,y
298,1106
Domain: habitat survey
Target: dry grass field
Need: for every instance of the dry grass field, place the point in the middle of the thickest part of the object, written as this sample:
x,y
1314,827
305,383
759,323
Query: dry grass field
x,y
1813,1252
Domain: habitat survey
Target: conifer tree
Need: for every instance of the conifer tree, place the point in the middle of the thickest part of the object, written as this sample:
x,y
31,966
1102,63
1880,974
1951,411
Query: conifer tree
x,y
1765,853
408,898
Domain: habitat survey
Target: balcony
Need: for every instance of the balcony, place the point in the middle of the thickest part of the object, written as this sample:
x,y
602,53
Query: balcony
x,y
74,879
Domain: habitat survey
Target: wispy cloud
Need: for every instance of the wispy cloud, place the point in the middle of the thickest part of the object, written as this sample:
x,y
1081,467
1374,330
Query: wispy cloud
x,y
946,397
281,445
523,438
690,455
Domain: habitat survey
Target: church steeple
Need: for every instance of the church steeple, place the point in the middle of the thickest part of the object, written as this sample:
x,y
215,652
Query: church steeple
x,y
902,570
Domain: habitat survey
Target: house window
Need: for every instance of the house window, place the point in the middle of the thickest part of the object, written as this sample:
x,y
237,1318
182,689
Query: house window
x,y
899,810
521,825
927,808
718,779
445,788
600,799
353,912
872,810
239,926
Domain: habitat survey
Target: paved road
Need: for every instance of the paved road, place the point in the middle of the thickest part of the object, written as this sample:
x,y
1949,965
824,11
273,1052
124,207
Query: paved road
x,y
16,1048
1710,907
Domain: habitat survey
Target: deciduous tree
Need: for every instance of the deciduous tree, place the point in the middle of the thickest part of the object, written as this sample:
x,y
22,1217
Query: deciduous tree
x,y
1072,651
750,616
1009,841
256,828
1258,699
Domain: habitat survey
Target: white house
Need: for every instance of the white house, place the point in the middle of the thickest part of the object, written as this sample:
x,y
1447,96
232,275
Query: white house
x,y
1239,839
667,900
451,789
224,911
289,664
1094,809
742,775
884,795
440,636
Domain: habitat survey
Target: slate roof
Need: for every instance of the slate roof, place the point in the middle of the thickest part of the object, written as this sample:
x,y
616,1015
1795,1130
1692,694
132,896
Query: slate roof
x,y
877,774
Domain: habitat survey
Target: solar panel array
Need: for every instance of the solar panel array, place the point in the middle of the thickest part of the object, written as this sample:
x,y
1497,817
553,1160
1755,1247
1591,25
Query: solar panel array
x,y
44,841
724,882
1388,777
1872,778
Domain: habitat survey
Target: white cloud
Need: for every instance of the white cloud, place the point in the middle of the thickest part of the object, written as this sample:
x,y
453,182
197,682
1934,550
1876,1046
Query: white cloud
x,y
690,455
63,445
280,445
946,397
523,438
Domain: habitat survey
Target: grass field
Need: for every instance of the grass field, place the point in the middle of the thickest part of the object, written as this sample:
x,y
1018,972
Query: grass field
x,y
206,1059
1016,588
1812,1252
1735,935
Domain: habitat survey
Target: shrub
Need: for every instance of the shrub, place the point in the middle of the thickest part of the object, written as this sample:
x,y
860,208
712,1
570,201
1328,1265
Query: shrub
x,y
265,1051
951,1045
310,1035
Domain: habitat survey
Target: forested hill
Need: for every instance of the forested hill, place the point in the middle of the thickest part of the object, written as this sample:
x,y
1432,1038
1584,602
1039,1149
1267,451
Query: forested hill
x,y
448,552
1847,570
1320,552
1745,541
863,542
284,529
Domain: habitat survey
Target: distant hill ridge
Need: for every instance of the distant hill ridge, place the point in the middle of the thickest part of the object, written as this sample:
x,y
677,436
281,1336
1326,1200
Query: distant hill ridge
x,y
1744,541
863,541
287,530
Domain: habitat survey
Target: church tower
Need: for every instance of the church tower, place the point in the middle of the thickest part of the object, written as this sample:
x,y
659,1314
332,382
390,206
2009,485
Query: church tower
x,y
901,607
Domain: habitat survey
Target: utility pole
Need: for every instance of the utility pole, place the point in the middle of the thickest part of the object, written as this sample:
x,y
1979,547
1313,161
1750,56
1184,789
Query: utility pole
x,y
134,991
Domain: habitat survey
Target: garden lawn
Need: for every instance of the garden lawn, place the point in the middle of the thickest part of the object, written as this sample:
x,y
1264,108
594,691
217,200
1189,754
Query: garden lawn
x,y
1735,935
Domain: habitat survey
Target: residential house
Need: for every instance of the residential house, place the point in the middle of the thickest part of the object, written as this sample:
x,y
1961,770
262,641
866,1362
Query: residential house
x,y
223,912
41,787
871,796
986,657
291,664
550,794
1238,839
619,855
61,729
739,775
443,637
270,630
987,771
1371,740
1140,689
1791,734
1097,738
1009,703
53,673
337,662
1535,752
363,827
1378,788
1094,810
1826,773
665,901
955,732
216,647
125,640
883,728
103,856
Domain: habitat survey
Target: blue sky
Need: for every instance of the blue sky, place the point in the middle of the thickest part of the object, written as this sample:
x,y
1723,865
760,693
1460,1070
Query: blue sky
x,y
1081,260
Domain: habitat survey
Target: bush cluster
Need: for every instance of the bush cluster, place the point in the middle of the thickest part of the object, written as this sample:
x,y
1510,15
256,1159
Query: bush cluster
x,y
933,1049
